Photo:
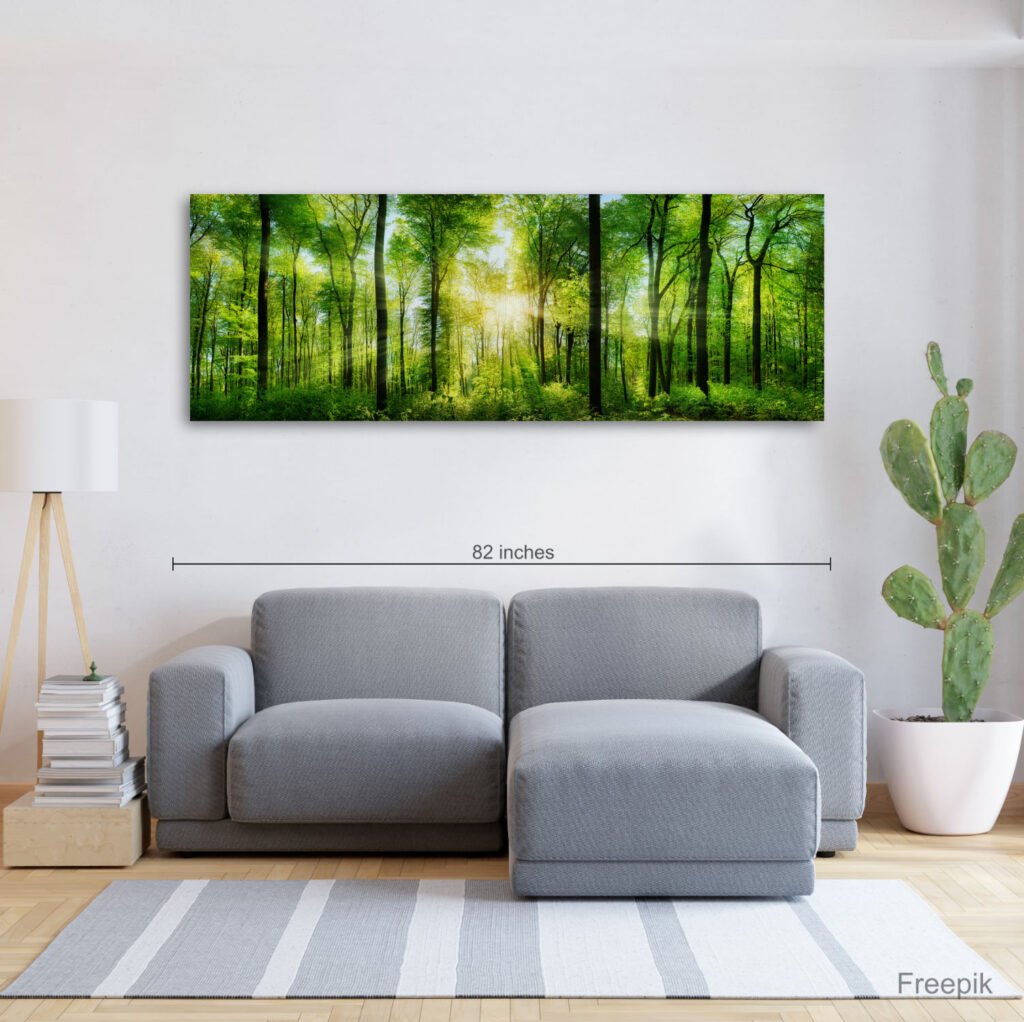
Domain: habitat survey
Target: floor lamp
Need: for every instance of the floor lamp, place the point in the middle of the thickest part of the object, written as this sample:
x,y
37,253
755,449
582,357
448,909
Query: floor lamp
x,y
48,447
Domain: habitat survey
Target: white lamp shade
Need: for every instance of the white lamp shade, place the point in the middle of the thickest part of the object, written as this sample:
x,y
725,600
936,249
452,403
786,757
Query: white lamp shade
x,y
52,446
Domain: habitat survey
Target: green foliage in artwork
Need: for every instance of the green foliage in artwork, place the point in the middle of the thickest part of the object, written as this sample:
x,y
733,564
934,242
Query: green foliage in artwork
x,y
487,310
555,402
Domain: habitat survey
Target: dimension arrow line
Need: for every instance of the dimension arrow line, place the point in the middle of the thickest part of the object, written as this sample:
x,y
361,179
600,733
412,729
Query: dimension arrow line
x,y
175,564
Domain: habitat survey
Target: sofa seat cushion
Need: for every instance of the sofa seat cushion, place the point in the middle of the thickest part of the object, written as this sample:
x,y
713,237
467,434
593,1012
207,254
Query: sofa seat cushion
x,y
368,761
652,780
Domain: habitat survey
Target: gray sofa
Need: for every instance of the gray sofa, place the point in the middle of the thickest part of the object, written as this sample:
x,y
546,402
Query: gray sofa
x,y
653,748
363,720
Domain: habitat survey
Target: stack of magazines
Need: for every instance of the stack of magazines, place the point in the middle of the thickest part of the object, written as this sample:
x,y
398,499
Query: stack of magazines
x,y
85,745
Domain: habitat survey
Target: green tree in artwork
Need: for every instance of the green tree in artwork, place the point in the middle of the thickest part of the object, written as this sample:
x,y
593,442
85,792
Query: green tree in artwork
x,y
342,225
731,256
594,302
404,268
550,228
263,342
441,226
769,220
381,301
703,276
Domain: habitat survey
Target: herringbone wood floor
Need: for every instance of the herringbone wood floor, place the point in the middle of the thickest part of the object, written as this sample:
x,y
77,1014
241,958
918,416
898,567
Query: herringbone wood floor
x,y
976,883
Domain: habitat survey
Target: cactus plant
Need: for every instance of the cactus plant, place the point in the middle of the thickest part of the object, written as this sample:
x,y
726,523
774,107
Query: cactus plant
x,y
949,442
933,356
911,467
930,472
961,539
1009,583
966,658
911,594
987,465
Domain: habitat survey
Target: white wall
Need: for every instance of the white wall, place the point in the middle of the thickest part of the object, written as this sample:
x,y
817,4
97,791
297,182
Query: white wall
x,y
114,112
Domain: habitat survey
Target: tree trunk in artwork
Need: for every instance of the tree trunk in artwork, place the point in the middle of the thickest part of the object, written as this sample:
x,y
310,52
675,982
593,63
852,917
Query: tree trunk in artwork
x,y
401,342
281,365
201,329
435,293
654,344
381,294
330,349
703,276
606,292
622,344
261,300
348,324
213,357
730,284
594,336
755,328
669,347
540,338
803,339
541,301
295,316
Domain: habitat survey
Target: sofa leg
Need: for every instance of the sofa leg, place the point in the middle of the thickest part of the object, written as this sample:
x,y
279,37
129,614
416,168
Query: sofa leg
x,y
826,855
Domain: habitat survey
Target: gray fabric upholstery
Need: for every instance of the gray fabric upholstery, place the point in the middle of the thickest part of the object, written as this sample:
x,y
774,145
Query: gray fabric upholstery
x,y
368,761
196,703
838,836
569,644
818,699
379,643
657,780
339,838
661,879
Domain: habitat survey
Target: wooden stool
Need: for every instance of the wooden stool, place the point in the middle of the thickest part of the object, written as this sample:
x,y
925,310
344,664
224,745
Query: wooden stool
x,y
74,835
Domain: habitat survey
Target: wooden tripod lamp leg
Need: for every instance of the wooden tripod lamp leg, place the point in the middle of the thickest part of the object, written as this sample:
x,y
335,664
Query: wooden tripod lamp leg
x,y
44,600
35,515
69,569
44,585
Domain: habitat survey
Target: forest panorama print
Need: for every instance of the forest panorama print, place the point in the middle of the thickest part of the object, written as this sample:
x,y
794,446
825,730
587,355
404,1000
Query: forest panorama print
x,y
507,307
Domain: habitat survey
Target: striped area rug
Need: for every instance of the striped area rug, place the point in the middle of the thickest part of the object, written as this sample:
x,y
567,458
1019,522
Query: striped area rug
x,y
472,938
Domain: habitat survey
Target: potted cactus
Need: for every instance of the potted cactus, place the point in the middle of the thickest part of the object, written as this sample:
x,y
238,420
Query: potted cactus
x,y
949,769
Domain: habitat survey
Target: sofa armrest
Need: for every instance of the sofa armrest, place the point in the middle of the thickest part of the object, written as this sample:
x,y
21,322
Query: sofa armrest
x,y
196,703
818,700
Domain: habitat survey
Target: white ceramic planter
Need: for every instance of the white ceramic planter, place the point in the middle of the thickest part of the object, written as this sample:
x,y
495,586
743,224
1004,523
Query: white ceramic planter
x,y
949,778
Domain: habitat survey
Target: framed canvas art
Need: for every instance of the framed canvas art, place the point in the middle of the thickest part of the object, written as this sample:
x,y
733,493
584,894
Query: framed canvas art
x,y
507,307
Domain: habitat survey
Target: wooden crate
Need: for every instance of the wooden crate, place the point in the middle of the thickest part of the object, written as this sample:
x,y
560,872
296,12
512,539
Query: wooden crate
x,y
74,835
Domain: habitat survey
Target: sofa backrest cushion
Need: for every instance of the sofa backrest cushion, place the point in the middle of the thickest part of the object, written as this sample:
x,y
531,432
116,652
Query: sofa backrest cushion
x,y
387,643
644,643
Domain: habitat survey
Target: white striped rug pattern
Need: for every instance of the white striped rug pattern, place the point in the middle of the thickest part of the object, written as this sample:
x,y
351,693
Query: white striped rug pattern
x,y
473,938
